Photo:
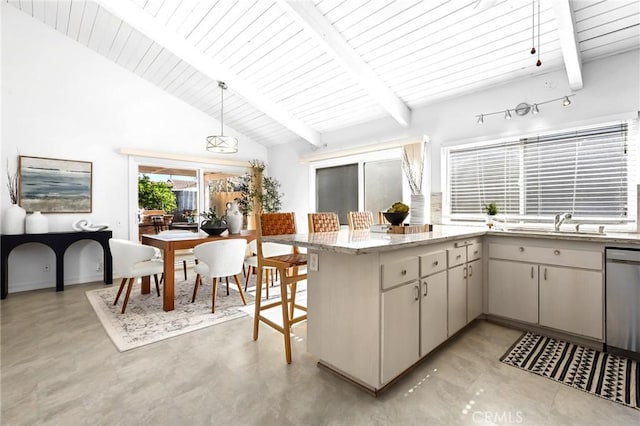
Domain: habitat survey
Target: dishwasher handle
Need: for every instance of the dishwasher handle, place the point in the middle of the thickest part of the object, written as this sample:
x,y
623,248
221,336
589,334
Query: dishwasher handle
x,y
626,262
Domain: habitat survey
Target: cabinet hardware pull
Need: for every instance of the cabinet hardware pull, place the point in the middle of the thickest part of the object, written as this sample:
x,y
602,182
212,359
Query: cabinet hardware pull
x,y
521,249
532,272
426,289
403,272
475,252
435,263
417,292
458,256
545,274
556,252
465,272
470,270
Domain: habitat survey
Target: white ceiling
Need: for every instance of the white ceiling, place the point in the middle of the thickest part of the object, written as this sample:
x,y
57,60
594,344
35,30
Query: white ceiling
x,y
298,69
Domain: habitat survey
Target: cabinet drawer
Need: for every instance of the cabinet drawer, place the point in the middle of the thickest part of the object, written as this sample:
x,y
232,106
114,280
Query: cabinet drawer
x,y
433,262
401,271
456,256
474,252
548,255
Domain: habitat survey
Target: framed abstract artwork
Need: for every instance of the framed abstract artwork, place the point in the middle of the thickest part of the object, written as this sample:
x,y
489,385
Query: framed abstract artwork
x,y
49,185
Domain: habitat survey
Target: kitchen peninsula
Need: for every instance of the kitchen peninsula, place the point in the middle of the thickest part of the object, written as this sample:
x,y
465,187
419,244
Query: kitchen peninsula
x,y
378,303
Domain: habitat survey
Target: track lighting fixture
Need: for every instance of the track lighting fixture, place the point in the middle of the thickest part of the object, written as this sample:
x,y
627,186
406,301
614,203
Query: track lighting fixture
x,y
523,109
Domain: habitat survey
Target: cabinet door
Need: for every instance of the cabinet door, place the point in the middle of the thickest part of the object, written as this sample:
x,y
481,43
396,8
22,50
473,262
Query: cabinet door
x,y
474,290
571,300
513,290
400,334
433,312
457,299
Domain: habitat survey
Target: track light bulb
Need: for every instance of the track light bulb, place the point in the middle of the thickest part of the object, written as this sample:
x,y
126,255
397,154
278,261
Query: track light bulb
x,y
535,109
507,115
480,119
566,101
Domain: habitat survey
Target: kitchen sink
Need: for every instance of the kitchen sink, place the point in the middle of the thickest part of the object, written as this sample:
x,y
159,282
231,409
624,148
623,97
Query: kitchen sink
x,y
585,232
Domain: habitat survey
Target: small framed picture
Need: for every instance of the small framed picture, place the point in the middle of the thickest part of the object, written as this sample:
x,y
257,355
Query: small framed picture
x,y
49,185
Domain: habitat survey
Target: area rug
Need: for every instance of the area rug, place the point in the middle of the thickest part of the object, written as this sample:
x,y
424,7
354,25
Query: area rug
x,y
608,376
145,322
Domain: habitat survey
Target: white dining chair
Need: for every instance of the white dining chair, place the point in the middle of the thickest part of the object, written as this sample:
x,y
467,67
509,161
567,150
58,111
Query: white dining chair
x,y
180,256
133,260
216,259
251,262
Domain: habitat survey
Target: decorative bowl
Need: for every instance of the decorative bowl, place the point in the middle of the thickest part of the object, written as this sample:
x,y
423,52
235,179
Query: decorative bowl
x,y
395,218
214,229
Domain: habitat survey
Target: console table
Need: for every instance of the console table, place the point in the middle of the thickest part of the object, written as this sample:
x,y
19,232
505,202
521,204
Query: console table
x,y
59,242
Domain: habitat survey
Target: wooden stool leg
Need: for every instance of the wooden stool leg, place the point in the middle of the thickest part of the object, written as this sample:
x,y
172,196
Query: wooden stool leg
x,y
124,280
195,288
126,297
294,288
285,323
215,293
256,316
266,281
244,300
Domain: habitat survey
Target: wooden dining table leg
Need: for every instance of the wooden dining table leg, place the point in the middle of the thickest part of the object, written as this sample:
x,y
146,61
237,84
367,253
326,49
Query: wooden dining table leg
x,y
169,280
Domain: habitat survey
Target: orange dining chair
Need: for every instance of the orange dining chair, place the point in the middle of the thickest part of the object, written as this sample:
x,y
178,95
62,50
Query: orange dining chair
x,y
360,220
323,222
287,265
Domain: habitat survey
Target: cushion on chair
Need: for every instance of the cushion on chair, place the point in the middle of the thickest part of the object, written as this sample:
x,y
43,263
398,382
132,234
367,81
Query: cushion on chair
x,y
146,268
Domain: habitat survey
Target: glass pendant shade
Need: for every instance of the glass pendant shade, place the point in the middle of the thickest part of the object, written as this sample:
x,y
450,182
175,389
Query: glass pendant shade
x,y
222,144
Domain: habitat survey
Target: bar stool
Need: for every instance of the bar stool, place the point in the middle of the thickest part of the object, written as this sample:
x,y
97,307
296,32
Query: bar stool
x,y
323,222
287,265
360,220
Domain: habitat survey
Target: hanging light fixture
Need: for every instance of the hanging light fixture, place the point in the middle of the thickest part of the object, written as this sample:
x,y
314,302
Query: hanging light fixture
x,y
523,109
221,143
533,32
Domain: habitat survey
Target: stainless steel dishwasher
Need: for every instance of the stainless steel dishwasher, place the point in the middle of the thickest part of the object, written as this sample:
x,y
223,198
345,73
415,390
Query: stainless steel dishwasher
x,y
623,300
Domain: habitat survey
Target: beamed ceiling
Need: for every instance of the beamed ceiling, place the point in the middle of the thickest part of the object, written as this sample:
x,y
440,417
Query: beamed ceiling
x,y
298,69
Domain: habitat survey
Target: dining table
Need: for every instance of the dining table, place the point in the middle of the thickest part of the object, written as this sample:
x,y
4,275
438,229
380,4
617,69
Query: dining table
x,y
169,243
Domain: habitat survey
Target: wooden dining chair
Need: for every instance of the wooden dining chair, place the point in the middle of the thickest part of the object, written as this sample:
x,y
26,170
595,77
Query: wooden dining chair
x,y
288,267
323,222
360,220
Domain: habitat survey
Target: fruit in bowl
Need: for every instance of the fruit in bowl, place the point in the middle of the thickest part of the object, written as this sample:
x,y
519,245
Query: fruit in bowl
x,y
397,213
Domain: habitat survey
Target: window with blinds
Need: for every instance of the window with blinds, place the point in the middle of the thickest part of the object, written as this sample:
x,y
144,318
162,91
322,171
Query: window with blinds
x,y
585,172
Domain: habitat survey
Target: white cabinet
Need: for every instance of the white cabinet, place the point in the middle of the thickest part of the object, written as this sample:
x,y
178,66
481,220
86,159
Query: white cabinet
x,y
557,286
474,289
571,300
433,312
457,299
513,290
400,329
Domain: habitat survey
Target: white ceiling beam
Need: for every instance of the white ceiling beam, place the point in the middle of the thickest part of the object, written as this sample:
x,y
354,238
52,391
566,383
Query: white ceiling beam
x,y
172,42
569,42
321,30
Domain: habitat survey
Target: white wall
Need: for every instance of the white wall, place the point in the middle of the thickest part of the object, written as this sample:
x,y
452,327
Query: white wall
x,y
611,88
63,100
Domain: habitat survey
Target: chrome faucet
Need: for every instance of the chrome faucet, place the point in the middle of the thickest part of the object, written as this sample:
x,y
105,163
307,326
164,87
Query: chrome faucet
x,y
559,220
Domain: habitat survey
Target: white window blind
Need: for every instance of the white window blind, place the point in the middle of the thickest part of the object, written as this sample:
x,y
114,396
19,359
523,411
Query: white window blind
x,y
585,172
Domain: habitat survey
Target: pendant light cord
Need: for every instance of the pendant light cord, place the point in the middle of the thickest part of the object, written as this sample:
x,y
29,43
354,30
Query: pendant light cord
x,y
539,61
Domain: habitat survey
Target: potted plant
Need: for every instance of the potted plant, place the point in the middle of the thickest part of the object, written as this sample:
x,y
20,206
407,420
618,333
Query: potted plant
x,y
259,193
397,213
491,210
212,223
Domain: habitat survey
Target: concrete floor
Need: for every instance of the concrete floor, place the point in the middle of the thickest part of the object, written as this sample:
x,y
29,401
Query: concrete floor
x,y
58,366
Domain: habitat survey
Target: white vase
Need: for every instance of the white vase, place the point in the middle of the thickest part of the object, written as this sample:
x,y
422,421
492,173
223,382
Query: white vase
x,y
234,218
13,220
36,223
417,209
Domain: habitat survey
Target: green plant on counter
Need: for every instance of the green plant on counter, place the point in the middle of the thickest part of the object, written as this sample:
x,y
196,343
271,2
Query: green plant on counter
x,y
398,207
491,209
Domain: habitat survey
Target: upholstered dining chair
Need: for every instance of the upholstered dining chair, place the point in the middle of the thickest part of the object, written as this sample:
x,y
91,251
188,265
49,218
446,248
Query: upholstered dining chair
x,y
360,220
133,260
288,267
251,261
183,256
222,258
323,222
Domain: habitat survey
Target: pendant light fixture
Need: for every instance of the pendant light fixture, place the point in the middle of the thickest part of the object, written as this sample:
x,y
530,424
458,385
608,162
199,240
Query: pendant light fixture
x,y
221,143
533,32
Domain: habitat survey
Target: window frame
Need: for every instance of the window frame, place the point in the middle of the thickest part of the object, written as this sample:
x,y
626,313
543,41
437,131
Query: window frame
x,y
613,224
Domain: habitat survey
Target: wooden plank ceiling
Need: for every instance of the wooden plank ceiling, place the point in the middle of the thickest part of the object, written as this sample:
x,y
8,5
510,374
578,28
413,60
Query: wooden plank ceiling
x,y
296,70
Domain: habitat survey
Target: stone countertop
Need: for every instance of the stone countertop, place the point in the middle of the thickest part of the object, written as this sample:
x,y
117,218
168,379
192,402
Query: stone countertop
x,y
365,241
